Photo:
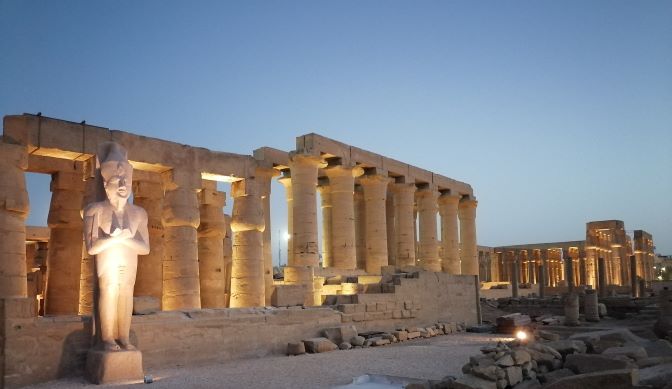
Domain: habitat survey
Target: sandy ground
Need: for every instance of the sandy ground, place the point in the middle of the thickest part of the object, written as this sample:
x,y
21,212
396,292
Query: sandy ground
x,y
431,358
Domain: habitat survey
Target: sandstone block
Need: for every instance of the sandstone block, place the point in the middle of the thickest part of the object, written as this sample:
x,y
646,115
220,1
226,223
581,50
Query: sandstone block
x,y
505,361
514,374
319,345
469,381
612,379
145,305
590,363
296,348
634,352
486,372
340,334
357,341
658,348
347,308
568,346
345,346
555,375
656,376
413,335
104,367
401,335
288,295
521,356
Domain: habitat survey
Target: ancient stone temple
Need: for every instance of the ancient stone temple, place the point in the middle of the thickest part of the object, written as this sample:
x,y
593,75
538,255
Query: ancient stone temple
x,y
608,258
206,290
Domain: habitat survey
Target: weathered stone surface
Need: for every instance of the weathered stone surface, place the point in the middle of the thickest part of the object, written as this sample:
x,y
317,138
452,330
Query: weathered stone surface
x,y
296,348
469,381
514,374
400,335
505,361
521,356
544,348
656,376
340,334
104,367
634,352
590,363
658,348
146,305
548,335
319,345
345,346
485,372
555,375
622,334
529,384
612,379
357,340
568,346
413,334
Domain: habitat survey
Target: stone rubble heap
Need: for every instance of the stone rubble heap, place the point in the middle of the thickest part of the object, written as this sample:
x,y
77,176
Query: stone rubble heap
x,y
347,337
611,359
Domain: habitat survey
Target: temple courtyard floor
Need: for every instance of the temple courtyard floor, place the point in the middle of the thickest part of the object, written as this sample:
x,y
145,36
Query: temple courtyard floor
x,y
432,358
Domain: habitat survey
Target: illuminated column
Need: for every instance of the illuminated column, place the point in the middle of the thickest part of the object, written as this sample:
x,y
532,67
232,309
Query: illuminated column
x,y
149,280
211,233
87,274
13,212
227,255
469,252
263,177
429,245
247,224
181,217
304,210
405,233
325,196
342,183
360,227
449,237
375,197
286,181
64,261
602,277
391,236
543,266
515,270
583,276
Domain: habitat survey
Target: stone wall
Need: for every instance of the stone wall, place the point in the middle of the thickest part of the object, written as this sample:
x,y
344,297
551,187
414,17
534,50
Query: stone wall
x,y
38,349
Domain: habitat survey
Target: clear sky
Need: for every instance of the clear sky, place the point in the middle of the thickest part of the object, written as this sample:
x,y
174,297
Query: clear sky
x,y
556,112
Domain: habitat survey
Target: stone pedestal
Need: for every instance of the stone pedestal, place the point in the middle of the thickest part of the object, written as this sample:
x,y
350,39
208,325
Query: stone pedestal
x,y
469,251
404,223
449,230
429,245
106,367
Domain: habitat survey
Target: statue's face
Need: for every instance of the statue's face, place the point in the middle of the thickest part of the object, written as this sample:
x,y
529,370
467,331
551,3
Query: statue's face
x,y
118,185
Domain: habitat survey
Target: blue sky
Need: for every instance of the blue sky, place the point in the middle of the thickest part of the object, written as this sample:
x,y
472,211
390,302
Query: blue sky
x,y
557,113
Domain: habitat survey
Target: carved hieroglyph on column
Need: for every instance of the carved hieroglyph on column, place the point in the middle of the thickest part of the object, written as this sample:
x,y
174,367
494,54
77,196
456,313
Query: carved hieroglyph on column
x,y
304,206
469,251
148,194
64,260
375,196
181,218
211,234
325,200
247,224
342,183
116,233
13,212
449,233
263,177
403,203
429,245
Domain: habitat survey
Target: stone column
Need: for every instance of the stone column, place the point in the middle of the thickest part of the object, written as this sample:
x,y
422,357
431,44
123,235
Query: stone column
x,y
429,246
228,259
583,276
633,277
286,181
569,273
13,212
247,224
149,280
545,267
263,177
390,222
304,210
342,183
375,197
405,234
571,309
360,227
327,252
181,218
87,277
64,261
590,306
602,277
211,233
469,252
449,237
515,270
542,277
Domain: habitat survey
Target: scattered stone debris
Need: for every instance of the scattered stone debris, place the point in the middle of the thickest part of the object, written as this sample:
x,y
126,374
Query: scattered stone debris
x,y
509,324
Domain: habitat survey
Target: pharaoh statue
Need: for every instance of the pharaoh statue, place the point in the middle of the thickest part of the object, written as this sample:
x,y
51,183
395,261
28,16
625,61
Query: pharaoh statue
x,y
116,233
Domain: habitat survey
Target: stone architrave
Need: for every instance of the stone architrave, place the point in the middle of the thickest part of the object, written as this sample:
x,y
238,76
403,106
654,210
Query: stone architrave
x,y
404,195
375,196
64,259
14,208
468,249
426,199
148,194
304,209
449,233
211,233
342,183
181,218
116,233
247,224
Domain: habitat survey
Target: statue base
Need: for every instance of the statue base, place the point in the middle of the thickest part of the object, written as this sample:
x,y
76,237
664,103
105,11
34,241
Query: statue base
x,y
103,367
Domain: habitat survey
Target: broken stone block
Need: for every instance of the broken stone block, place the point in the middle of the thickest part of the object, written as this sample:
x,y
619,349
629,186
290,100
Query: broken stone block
x,y
357,340
658,348
380,341
548,335
590,363
296,348
505,361
146,305
514,374
555,375
612,379
401,335
413,335
319,345
633,352
521,356
656,376
345,346
468,381
340,334
568,346
485,372
529,384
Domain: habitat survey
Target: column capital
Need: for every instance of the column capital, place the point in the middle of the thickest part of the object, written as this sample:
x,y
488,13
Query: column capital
x,y
286,181
306,159
427,192
266,173
343,171
468,202
403,188
374,179
446,199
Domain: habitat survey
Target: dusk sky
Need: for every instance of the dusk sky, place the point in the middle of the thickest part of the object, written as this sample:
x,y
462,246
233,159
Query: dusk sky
x,y
556,112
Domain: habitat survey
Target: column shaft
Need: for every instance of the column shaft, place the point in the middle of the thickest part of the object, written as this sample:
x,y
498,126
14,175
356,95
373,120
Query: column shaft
x,y
390,222
405,233
469,252
327,225
211,233
286,181
342,183
304,210
375,197
449,233
263,177
429,245
360,228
